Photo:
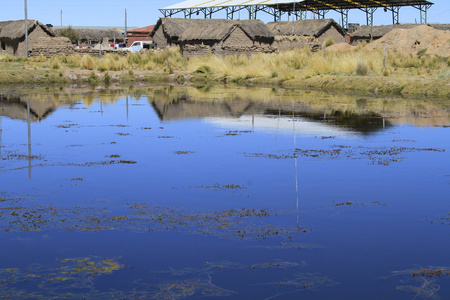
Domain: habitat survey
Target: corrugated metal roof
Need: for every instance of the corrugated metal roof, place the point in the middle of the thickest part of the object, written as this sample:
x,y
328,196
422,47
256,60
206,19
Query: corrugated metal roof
x,y
309,4
221,3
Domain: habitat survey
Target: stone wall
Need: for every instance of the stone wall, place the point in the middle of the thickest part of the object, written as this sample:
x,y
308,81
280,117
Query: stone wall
x,y
200,49
195,50
291,42
50,46
96,52
284,43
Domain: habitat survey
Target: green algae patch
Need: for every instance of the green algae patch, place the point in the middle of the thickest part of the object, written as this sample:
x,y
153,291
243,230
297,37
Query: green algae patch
x,y
73,277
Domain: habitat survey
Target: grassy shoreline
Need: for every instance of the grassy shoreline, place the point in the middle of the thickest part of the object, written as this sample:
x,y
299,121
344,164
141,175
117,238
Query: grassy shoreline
x,y
355,71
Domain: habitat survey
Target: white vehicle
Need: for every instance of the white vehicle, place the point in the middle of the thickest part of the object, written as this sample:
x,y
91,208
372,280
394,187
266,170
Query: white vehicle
x,y
138,46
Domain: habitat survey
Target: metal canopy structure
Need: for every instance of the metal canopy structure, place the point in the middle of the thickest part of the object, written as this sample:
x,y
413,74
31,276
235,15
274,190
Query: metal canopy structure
x,y
295,8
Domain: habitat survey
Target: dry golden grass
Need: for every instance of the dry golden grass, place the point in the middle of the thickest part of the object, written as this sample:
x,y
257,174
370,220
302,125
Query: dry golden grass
x,y
296,64
301,63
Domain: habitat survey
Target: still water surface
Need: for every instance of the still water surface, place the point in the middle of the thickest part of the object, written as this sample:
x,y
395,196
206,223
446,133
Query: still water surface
x,y
173,193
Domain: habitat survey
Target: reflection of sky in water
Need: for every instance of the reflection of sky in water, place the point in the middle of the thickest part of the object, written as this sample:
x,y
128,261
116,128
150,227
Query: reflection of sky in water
x,y
282,125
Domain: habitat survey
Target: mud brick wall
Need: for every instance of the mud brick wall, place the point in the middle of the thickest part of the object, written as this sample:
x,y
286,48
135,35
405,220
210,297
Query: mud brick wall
x,y
96,52
197,50
50,46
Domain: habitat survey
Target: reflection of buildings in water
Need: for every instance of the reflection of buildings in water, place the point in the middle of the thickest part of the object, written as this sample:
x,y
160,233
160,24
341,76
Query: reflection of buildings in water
x,y
270,115
29,110
16,108
360,114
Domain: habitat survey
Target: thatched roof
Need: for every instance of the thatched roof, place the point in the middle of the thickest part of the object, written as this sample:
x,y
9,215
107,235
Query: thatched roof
x,y
313,28
378,31
175,27
16,29
215,32
444,27
96,35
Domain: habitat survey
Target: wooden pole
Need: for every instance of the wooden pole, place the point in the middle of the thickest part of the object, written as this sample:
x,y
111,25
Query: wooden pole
x,y
26,28
125,37
29,137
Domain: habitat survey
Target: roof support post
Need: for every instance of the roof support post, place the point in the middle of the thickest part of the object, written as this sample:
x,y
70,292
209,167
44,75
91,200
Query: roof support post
x,y
277,15
321,13
423,12
303,14
395,14
251,12
369,15
344,17
230,12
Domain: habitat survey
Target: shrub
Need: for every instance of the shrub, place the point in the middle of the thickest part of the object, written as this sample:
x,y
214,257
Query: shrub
x,y
106,78
55,63
329,41
87,62
70,33
362,68
203,69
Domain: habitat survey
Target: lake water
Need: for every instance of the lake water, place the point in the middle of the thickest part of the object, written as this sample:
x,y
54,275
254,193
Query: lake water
x,y
229,193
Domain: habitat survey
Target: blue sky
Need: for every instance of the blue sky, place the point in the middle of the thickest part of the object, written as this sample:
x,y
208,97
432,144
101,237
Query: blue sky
x,y
145,12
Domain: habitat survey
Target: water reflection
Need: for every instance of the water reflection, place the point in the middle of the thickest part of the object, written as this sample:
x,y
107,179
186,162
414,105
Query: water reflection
x,y
30,108
361,114
241,193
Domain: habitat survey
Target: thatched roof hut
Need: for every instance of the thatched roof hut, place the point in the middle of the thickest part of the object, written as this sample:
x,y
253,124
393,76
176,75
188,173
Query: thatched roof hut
x,y
41,39
220,36
15,30
305,33
255,29
90,36
167,31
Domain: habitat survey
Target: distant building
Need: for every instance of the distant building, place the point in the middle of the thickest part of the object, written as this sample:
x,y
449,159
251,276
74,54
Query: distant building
x,y
139,34
12,38
93,36
305,33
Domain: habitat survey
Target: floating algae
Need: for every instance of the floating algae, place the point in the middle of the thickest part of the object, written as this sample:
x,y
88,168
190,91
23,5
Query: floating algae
x,y
68,278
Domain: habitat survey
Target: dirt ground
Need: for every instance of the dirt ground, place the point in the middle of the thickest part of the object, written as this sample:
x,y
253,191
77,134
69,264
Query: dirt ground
x,y
414,40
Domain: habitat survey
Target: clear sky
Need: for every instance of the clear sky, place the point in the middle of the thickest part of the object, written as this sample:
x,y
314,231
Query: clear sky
x,y
142,13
